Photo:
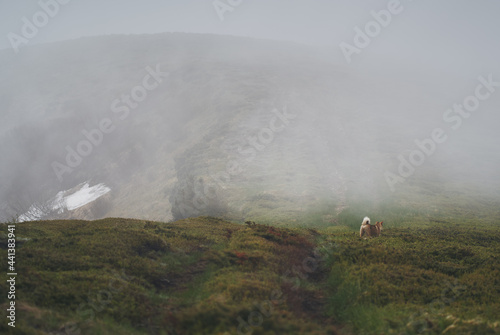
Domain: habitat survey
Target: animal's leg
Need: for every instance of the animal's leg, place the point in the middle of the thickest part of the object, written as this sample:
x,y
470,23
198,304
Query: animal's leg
x,y
363,231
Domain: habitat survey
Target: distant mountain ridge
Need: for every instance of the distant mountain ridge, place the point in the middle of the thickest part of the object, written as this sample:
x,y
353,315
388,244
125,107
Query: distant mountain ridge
x,y
211,138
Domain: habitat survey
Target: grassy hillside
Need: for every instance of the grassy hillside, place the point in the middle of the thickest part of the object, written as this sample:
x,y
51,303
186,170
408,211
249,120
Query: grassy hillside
x,y
209,276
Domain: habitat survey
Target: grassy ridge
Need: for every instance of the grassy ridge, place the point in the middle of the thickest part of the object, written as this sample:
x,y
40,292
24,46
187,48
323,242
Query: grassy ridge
x,y
209,276
193,276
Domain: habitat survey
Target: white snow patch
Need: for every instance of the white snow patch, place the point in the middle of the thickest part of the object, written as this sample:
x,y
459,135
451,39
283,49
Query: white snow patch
x,y
33,214
65,200
83,196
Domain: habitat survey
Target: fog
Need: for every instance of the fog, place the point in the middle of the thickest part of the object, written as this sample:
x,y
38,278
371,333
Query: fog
x,y
247,110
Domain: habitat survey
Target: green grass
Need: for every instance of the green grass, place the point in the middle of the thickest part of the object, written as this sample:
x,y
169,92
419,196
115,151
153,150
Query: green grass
x,y
413,276
428,273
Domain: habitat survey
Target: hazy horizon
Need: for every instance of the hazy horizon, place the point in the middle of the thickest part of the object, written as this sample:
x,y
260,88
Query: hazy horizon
x,y
454,36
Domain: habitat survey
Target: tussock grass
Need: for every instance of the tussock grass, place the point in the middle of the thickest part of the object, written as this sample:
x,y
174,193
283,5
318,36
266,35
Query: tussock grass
x,y
417,278
426,274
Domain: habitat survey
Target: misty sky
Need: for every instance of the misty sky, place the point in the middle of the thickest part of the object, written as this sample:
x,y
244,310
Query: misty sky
x,y
458,36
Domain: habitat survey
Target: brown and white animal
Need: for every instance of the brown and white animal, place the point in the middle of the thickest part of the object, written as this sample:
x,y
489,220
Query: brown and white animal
x,y
370,230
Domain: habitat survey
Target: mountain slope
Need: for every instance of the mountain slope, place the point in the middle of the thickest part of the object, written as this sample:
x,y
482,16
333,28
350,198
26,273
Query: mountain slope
x,y
212,137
